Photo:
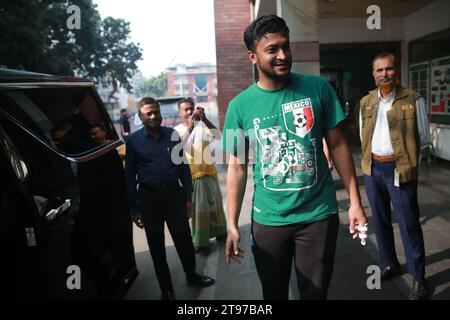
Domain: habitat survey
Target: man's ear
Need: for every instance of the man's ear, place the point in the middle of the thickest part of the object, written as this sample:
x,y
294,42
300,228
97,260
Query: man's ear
x,y
252,56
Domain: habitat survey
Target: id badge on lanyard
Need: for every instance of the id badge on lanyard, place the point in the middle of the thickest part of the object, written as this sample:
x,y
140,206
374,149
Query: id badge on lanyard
x,y
396,178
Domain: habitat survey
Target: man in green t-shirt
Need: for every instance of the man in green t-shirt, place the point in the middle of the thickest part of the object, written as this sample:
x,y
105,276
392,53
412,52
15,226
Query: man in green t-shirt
x,y
283,118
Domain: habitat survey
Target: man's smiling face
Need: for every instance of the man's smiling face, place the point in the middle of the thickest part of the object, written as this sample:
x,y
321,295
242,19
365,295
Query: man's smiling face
x,y
272,56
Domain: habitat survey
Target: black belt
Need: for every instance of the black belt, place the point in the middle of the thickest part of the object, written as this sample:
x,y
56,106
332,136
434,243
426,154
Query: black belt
x,y
158,187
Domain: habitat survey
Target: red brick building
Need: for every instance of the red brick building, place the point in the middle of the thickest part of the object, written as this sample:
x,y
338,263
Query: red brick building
x,y
234,70
197,81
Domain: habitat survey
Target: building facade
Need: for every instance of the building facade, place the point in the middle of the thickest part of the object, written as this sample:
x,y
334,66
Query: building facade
x,y
338,40
198,81
122,99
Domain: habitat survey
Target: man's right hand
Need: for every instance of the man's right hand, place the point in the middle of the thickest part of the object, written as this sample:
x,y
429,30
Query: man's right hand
x,y
137,219
358,222
191,122
232,250
197,115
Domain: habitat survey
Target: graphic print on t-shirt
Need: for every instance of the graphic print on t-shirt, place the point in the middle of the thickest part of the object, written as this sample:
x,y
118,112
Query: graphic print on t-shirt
x,y
288,163
298,117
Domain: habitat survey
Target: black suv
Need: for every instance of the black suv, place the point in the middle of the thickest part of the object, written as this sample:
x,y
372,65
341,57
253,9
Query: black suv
x,y
65,225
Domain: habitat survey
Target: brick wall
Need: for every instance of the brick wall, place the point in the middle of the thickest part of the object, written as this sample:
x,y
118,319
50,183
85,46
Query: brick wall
x,y
211,87
170,84
234,70
191,80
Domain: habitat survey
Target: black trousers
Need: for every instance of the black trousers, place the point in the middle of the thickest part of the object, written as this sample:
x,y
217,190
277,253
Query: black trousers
x,y
168,205
311,245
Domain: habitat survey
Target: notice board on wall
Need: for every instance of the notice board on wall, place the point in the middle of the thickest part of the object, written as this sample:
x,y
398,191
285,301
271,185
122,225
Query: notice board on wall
x,y
440,86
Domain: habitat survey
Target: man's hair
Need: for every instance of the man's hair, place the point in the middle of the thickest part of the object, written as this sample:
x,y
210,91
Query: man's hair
x,y
147,100
100,126
385,55
186,100
123,111
63,125
258,28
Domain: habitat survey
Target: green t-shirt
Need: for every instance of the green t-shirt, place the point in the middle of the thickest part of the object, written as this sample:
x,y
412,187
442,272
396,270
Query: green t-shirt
x,y
281,131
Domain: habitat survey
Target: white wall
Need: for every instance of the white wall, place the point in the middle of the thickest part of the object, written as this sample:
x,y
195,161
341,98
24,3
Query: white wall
x,y
306,67
354,30
430,19
347,30
265,7
301,17
441,138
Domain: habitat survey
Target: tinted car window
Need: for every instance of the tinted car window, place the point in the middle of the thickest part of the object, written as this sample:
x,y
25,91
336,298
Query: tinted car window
x,y
169,112
62,117
57,211
13,155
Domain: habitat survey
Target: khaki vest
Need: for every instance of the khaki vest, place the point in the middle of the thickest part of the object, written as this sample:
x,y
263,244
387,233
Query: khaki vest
x,y
402,129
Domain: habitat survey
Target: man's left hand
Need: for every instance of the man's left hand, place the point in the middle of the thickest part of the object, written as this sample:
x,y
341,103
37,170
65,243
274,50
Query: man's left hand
x,y
358,222
197,115
201,112
189,209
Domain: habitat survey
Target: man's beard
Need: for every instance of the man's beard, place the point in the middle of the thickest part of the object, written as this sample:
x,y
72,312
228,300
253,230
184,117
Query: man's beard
x,y
153,125
272,75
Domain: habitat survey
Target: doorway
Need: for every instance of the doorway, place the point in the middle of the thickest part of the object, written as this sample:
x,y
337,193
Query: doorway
x,y
348,68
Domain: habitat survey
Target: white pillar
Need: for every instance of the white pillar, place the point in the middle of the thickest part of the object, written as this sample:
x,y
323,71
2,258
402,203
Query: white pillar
x,y
301,17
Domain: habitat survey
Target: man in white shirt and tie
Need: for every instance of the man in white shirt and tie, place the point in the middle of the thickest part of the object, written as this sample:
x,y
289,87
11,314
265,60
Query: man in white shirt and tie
x,y
393,127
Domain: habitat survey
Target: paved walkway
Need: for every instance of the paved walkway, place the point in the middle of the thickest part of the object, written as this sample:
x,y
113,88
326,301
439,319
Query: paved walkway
x,y
349,277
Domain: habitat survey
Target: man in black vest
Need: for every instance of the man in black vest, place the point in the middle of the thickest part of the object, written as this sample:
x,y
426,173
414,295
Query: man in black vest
x,y
393,127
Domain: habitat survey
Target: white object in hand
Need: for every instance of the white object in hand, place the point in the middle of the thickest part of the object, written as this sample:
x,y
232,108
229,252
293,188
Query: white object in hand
x,y
362,236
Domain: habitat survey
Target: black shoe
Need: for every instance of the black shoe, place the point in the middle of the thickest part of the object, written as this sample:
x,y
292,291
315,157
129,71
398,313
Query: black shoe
x,y
167,295
390,272
200,281
419,290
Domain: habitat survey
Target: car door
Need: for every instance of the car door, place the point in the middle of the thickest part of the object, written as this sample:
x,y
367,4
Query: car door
x,y
68,192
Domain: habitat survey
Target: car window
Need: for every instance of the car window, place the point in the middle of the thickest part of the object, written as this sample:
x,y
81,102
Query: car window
x,y
61,116
14,157
169,112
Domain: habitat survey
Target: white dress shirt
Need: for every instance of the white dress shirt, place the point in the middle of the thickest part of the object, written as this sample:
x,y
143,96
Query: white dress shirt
x,y
137,122
381,140
199,134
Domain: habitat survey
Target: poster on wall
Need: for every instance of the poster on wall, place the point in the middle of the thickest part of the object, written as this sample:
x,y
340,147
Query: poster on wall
x,y
440,86
418,78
